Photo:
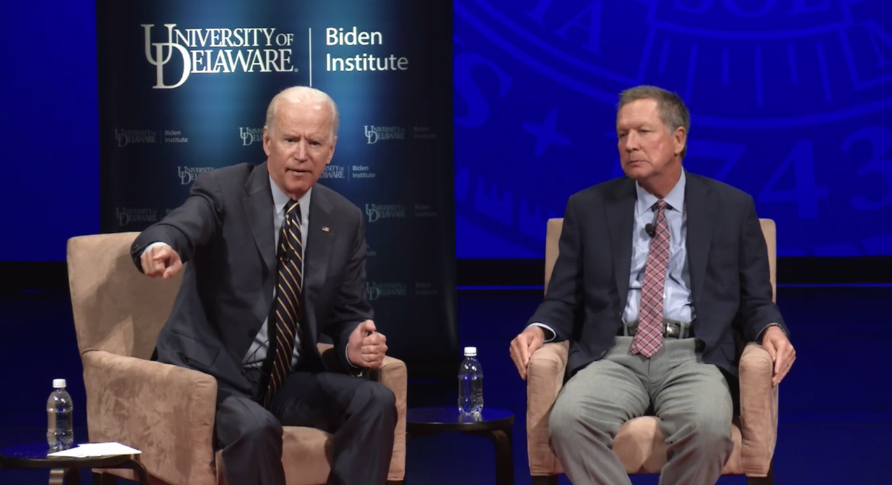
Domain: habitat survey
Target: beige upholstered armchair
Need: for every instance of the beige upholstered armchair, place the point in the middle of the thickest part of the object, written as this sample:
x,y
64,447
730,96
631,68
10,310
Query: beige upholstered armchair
x,y
164,410
639,444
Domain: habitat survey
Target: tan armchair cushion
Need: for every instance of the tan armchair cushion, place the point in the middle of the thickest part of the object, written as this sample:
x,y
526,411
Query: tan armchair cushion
x,y
164,410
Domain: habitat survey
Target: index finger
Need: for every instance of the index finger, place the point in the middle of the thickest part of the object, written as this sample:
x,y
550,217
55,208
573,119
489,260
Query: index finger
x,y
516,356
148,262
779,361
159,252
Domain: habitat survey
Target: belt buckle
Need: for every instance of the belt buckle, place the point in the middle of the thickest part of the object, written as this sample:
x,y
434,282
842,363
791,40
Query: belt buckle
x,y
672,329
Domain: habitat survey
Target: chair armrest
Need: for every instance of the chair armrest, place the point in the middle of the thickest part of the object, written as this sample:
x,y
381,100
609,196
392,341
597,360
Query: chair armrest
x,y
165,411
393,374
545,377
758,410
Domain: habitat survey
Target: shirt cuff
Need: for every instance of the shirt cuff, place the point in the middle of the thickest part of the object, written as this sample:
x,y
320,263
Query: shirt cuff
x,y
550,334
347,355
150,246
762,333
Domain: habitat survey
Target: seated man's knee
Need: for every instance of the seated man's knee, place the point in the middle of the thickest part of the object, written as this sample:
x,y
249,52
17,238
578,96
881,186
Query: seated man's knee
x,y
261,427
378,396
710,432
563,421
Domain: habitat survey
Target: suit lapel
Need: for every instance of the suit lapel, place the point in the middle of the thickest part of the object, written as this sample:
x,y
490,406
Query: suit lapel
x,y
318,250
258,202
701,208
620,220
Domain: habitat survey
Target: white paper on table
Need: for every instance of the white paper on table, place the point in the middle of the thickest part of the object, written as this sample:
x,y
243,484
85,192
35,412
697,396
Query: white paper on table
x,y
88,450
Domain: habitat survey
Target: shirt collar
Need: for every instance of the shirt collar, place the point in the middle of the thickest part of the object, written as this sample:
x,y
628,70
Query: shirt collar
x,y
280,199
675,198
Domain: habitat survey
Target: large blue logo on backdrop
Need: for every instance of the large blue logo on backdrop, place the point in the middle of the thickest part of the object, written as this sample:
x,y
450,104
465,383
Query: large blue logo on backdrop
x,y
791,101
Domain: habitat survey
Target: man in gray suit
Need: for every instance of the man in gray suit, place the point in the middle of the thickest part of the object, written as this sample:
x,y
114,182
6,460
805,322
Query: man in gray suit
x,y
656,272
274,260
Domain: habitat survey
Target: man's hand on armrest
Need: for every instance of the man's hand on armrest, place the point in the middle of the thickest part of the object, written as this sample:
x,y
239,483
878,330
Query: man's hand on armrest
x,y
782,353
550,334
366,347
525,345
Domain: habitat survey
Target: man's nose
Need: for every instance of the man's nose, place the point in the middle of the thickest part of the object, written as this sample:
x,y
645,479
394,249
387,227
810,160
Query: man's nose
x,y
301,152
631,141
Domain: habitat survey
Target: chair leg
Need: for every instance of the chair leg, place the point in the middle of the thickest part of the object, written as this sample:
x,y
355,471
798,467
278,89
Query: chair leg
x,y
766,480
549,480
104,479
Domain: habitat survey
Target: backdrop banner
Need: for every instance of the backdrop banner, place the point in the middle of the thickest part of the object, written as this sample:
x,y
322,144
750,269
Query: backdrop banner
x,y
183,89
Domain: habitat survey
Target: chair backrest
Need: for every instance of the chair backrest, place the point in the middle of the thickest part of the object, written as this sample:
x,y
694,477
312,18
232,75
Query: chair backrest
x,y
116,308
553,235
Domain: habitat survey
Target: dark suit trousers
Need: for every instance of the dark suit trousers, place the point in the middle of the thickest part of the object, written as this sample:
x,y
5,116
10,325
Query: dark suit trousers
x,y
360,414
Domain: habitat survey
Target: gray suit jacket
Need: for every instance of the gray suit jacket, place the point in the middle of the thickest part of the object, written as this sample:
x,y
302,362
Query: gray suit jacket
x,y
727,259
225,232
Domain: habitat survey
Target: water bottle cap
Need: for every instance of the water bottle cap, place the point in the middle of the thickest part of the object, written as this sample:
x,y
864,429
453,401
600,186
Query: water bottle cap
x,y
470,351
58,383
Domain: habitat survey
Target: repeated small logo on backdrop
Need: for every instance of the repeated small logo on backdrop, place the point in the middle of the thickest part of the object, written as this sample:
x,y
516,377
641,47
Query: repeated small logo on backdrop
x,y
125,137
175,136
424,210
250,136
376,291
189,174
362,172
374,134
375,212
130,215
423,133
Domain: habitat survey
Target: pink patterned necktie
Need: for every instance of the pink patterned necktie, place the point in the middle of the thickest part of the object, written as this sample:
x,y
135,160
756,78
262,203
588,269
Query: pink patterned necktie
x,y
649,337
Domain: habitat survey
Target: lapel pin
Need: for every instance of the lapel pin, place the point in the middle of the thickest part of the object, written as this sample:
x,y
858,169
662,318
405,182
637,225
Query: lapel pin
x,y
325,229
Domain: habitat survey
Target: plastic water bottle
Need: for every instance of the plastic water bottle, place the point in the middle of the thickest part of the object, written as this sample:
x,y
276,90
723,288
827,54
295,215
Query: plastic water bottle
x,y
470,384
59,432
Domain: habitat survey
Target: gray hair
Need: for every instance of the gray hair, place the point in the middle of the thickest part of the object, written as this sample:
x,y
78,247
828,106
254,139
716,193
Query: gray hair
x,y
303,94
673,112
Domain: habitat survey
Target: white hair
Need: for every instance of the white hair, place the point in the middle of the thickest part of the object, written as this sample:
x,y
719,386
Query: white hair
x,y
303,95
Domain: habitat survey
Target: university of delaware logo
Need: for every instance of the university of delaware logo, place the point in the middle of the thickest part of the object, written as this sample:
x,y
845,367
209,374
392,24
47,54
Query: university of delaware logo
x,y
374,134
215,51
375,291
250,136
388,211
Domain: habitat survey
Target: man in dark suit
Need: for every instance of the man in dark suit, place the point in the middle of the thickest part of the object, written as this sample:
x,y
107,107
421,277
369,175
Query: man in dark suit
x,y
656,270
274,260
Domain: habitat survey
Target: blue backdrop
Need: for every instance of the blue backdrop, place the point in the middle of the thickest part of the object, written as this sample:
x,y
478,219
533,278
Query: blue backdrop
x,y
791,101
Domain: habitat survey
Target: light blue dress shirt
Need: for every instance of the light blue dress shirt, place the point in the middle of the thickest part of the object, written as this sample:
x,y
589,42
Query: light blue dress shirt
x,y
677,303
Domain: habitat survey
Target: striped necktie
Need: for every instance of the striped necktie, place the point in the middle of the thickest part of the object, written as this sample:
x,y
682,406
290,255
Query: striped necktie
x,y
288,301
649,337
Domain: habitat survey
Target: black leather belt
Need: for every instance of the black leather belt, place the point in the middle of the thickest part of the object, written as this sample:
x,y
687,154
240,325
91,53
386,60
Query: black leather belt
x,y
671,329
